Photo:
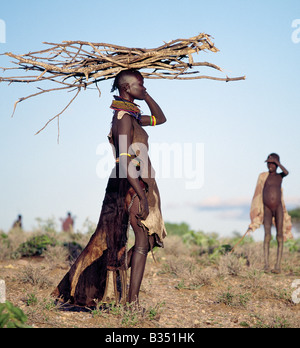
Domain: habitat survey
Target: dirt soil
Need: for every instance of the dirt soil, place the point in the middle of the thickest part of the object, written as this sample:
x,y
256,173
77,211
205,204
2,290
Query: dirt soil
x,y
173,295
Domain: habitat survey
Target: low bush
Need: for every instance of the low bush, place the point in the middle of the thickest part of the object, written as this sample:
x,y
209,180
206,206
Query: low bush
x,y
12,317
35,246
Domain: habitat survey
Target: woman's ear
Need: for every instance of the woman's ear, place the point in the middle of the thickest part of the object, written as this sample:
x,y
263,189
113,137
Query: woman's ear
x,y
125,87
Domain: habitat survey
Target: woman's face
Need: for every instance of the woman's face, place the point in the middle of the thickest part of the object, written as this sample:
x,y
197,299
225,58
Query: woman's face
x,y
135,87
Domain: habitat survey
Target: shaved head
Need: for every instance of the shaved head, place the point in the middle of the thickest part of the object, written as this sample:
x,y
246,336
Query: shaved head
x,y
123,78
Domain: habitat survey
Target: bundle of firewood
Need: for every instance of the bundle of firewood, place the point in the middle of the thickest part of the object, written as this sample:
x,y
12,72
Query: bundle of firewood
x,y
76,65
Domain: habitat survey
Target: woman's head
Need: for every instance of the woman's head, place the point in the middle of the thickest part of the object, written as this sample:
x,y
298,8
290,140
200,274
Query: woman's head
x,y
130,84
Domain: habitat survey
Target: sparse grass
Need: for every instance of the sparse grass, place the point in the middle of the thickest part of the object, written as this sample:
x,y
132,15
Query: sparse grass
x,y
230,265
35,276
233,298
129,315
195,282
276,319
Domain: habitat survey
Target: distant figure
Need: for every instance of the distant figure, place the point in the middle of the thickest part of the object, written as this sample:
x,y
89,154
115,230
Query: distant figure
x,y
18,223
68,224
268,207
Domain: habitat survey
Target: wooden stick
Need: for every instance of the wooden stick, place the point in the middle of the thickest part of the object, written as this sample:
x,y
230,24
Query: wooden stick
x,y
240,241
80,64
58,115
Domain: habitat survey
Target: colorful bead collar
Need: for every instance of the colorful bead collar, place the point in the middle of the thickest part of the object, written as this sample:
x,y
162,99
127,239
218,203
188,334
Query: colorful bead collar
x,y
125,105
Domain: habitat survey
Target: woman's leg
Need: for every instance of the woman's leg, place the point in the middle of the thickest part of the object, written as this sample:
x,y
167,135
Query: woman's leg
x,y
139,253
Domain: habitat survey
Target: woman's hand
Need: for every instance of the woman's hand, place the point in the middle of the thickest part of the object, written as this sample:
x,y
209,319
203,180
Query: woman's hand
x,y
144,209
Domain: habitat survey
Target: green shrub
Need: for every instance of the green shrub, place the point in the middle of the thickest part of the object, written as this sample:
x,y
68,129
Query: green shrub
x,y
177,229
11,316
35,246
74,250
201,239
295,214
293,245
220,251
4,240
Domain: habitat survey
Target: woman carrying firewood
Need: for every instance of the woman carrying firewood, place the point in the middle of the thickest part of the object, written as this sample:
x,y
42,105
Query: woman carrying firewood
x,y
132,198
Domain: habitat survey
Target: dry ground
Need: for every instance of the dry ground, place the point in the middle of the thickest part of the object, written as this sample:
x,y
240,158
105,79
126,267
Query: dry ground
x,y
180,290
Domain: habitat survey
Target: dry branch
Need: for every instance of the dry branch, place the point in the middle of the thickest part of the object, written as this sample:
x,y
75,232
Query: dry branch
x,y
75,65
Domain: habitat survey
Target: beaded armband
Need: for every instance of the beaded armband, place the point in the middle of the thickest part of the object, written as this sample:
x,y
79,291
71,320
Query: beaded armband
x,y
153,121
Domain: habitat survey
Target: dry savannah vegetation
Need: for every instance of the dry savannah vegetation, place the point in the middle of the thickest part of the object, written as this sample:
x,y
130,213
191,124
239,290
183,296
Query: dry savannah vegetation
x,y
193,283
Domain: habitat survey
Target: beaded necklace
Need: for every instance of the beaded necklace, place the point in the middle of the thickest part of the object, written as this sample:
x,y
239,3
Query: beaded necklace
x,y
125,105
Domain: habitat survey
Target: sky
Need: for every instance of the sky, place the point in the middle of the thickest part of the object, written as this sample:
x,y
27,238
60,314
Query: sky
x,y
218,134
